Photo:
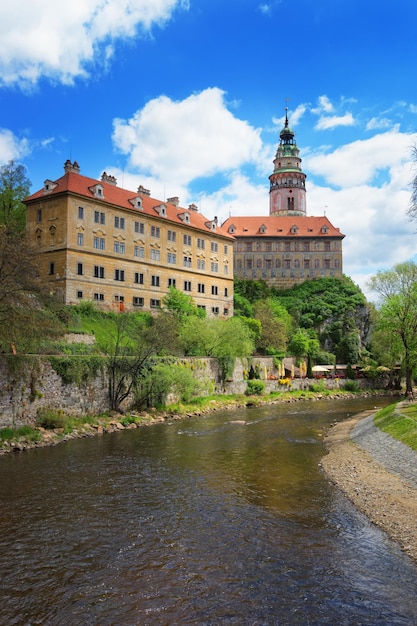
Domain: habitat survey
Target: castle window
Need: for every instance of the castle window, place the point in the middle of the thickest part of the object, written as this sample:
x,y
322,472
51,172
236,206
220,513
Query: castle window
x,y
140,228
187,285
306,264
172,235
172,282
138,301
138,278
155,304
39,215
327,246
99,296
80,213
155,281
119,275
215,310
306,246
80,239
201,243
214,267
139,251
79,269
172,258
214,246
99,217
98,271
155,231
225,270
119,247
200,287
187,240
51,268
79,294
155,255
201,264
214,290
187,261
119,222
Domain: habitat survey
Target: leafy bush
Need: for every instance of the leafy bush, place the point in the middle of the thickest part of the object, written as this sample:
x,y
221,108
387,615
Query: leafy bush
x,y
351,385
50,419
255,387
318,387
7,433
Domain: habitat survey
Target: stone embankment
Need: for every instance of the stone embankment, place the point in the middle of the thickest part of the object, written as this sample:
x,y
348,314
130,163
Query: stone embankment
x,y
378,474
105,424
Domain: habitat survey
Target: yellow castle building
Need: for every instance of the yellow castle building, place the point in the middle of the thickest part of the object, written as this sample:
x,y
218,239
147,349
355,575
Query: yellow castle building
x,y
123,249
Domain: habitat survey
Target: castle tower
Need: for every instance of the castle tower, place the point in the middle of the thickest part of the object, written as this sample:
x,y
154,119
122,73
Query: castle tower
x,y
287,192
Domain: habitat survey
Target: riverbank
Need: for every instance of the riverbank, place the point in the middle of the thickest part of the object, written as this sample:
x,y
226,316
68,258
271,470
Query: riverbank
x,y
116,422
387,499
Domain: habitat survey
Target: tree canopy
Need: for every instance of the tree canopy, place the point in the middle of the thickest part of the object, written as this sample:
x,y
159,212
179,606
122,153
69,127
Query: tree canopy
x,y
14,187
398,312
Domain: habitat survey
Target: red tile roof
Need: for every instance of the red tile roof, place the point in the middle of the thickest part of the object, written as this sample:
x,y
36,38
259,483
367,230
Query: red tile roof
x,y
281,226
74,183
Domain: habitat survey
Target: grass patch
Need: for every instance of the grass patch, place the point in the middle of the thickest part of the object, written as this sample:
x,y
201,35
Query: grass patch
x,y
399,421
27,433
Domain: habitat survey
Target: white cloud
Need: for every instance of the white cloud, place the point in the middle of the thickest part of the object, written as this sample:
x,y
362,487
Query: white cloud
x,y
328,122
377,123
11,147
59,40
180,141
324,106
358,162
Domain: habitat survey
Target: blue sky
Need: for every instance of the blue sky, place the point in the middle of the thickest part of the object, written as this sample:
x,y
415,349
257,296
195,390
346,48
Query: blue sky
x,y
187,97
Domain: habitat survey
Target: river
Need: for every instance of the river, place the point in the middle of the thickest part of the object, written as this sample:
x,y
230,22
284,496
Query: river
x,y
221,519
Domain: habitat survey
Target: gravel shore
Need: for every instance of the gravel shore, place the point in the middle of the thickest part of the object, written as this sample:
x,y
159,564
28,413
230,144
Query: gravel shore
x,y
378,474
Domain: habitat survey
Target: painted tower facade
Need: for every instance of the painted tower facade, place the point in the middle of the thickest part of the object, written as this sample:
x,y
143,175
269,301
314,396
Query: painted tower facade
x,y
287,192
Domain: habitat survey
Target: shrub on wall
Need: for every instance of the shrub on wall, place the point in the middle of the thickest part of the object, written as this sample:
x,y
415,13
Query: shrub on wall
x,y
255,387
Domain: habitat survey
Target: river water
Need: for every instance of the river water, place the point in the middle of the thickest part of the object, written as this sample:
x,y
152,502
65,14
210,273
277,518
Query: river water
x,y
199,521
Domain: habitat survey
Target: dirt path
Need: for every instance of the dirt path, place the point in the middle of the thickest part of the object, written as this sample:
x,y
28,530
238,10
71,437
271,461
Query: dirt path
x,y
386,499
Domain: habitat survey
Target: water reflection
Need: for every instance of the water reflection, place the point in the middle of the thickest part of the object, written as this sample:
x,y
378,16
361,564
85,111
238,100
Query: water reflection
x,y
201,521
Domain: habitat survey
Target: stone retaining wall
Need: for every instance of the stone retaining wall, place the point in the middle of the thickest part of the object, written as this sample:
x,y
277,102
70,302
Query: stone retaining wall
x,y
24,390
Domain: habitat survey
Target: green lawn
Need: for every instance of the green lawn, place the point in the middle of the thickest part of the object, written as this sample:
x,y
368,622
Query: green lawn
x,y
400,421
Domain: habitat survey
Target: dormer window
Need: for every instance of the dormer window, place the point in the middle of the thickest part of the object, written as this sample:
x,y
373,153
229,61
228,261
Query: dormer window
x,y
324,229
213,224
49,186
98,191
294,229
262,229
232,229
185,217
161,210
136,202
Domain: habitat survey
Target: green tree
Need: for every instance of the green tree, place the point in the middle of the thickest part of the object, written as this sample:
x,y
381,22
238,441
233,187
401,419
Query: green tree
x,y
181,304
14,187
274,329
398,312
223,339
133,343
24,321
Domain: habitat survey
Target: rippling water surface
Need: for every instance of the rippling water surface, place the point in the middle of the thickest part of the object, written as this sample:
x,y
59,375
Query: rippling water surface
x,y
201,521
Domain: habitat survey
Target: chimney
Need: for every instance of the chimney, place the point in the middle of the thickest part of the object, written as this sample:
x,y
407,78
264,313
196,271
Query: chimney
x,y
143,191
71,167
107,178
193,207
174,200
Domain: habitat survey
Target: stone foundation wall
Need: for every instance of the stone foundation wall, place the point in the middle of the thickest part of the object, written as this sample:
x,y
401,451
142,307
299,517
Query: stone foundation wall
x,y
34,385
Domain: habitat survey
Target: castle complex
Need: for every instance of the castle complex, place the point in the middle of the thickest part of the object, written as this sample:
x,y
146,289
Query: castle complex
x,y
124,249
287,247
